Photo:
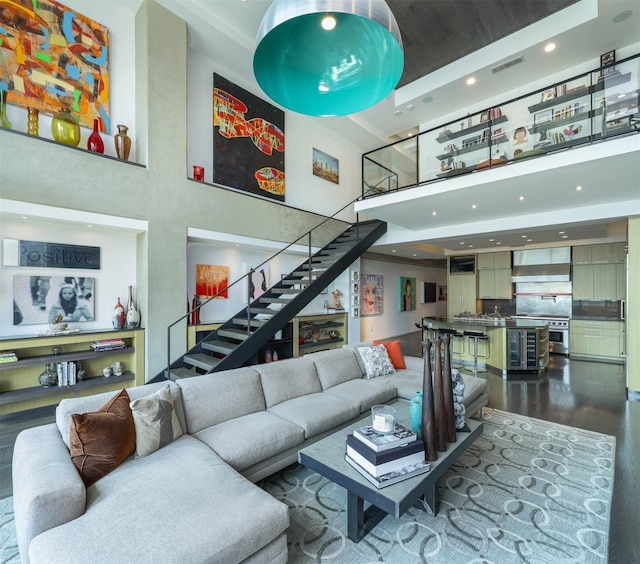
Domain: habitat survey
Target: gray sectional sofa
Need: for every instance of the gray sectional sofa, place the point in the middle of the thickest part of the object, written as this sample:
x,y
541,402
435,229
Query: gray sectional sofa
x,y
195,499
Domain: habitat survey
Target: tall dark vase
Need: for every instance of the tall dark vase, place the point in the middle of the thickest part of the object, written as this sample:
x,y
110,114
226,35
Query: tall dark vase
x,y
447,390
438,399
428,420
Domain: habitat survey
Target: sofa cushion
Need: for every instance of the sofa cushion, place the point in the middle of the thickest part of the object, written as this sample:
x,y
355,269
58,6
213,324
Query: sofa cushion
x,y
68,406
354,349
288,379
376,361
366,392
103,439
317,413
395,353
335,367
249,439
213,398
182,503
155,420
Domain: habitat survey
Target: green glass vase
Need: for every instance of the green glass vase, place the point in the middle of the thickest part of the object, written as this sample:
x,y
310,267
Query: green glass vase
x,y
65,128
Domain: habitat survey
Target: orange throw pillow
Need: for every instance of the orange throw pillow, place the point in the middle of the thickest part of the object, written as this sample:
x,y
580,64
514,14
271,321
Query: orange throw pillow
x,y
103,439
395,353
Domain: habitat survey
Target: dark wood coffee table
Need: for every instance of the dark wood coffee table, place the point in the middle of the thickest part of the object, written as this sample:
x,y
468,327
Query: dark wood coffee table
x,y
326,457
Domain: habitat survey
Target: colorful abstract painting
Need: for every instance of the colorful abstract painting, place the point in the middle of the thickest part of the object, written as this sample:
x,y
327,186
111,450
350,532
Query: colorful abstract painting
x,y
53,57
407,293
371,294
248,141
212,280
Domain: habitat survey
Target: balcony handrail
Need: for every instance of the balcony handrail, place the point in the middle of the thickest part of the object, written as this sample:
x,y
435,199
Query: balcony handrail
x,y
589,73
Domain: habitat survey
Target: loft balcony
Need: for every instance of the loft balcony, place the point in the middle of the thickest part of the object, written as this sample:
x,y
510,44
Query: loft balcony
x,y
541,143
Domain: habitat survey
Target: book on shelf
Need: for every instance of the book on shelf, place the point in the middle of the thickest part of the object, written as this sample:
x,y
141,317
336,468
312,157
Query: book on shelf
x,y
8,357
108,345
379,467
377,442
392,477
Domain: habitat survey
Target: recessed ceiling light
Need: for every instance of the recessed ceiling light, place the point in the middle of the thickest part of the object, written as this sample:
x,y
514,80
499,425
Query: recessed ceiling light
x,y
498,243
410,134
471,246
523,236
427,99
397,113
529,240
473,206
521,198
491,240
578,188
89,225
549,47
393,250
415,254
471,81
622,16
561,232
410,107
24,217
565,236
434,212
462,242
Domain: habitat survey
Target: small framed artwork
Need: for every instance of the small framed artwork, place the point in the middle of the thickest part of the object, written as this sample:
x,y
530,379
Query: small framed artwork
x,y
356,300
356,276
548,95
356,312
442,293
607,58
542,117
356,288
484,117
325,166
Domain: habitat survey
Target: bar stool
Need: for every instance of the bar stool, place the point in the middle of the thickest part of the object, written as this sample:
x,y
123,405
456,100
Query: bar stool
x,y
477,337
455,336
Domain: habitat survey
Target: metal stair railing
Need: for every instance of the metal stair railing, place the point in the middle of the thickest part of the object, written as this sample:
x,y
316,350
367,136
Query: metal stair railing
x,y
306,237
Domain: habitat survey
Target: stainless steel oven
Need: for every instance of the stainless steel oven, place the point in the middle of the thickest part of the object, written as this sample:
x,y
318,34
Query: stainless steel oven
x,y
558,331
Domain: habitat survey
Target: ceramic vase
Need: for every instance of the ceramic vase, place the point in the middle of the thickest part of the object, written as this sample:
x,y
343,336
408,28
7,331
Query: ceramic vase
x,y
65,128
415,414
133,315
119,316
95,142
48,377
122,142
4,121
428,420
438,398
447,392
33,126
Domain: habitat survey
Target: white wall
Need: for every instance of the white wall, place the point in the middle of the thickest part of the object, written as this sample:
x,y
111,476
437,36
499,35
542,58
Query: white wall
x,y
117,269
394,322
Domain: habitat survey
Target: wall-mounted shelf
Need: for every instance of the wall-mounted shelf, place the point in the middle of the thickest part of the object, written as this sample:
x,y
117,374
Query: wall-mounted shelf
x,y
473,129
471,148
305,326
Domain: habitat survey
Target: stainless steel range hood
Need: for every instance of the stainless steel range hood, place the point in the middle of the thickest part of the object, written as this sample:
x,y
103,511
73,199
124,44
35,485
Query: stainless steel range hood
x,y
542,265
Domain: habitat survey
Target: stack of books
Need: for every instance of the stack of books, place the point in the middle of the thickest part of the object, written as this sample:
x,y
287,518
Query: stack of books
x,y
8,356
108,345
67,373
386,459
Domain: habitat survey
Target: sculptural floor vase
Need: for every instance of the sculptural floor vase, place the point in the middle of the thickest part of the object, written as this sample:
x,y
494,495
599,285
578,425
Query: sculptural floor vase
x,y
65,128
122,142
447,391
438,398
428,420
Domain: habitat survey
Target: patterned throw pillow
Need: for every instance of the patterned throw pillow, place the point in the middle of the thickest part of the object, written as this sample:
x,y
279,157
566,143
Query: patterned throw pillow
x,y
376,361
155,421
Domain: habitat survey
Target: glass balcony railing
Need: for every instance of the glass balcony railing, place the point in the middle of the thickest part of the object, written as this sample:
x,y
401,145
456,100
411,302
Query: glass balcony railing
x,y
589,108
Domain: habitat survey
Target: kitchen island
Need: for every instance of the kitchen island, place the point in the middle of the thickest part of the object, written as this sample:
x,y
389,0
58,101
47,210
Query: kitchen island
x,y
516,346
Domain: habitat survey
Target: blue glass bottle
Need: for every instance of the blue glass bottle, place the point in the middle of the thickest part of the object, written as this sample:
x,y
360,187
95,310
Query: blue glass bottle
x,y
415,413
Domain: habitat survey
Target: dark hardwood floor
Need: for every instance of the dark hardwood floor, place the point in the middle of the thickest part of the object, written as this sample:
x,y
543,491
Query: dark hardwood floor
x,y
587,395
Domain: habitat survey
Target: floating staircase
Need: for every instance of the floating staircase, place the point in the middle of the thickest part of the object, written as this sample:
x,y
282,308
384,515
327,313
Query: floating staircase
x,y
236,342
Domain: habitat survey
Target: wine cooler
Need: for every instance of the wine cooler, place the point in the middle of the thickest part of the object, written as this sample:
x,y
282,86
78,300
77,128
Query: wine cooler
x,y
522,349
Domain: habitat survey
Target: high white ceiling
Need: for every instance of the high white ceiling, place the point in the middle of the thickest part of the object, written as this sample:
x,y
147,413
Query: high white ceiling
x,y
225,30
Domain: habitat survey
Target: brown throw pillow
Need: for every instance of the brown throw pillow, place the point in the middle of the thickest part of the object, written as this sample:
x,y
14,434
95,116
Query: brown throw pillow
x,y
103,439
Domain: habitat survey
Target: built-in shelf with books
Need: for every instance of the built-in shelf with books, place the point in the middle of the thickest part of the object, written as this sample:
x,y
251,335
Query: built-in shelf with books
x,y
317,332
19,386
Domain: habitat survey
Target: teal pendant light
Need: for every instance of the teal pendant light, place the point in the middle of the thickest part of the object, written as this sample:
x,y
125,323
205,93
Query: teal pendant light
x,y
328,57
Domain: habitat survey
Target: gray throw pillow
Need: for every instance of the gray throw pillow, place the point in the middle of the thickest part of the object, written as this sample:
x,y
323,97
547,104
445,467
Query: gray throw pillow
x,y
156,422
376,361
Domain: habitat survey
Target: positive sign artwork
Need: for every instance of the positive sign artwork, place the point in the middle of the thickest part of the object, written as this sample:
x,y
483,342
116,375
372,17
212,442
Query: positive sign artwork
x,y
248,141
53,57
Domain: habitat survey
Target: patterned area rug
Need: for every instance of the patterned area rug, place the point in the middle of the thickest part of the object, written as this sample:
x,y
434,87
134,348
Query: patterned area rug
x,y
526,491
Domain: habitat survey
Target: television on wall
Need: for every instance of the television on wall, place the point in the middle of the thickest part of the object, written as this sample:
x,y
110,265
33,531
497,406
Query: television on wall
x,y
428,292
461,264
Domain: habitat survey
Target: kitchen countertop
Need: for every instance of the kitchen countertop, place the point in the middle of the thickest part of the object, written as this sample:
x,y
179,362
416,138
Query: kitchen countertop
x,y
506,322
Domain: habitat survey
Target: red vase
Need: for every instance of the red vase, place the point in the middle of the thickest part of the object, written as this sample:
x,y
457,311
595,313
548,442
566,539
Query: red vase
x,y
95,143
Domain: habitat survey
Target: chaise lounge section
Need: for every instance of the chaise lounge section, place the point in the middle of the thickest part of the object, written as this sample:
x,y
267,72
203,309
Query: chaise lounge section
x,y
195,499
